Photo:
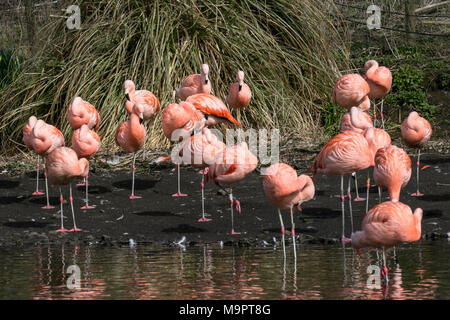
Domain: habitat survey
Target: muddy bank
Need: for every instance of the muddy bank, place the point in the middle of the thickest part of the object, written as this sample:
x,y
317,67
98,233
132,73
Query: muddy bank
x,y
160,218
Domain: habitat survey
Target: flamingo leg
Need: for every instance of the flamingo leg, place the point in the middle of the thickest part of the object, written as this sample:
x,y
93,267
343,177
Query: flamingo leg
x,y
358,198
73,212
62,219
374,115
342,206
349,196
232,214
82,184
179,194
145,140
384,271
417,194
48,206
37,192
293,232
203,218
281,221
86,202
381,114
133,168
368,188
379,194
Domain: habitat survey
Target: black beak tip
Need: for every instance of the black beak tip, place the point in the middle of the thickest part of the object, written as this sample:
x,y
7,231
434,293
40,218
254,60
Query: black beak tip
x,y
141,121
127,96
240,87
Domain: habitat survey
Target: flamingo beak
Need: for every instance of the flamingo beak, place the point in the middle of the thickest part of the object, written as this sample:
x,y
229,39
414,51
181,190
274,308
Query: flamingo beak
x,y
240,87
298,206
206,78
141,118
127,96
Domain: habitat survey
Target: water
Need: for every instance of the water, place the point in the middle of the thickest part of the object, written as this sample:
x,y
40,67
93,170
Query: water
x,y
214,272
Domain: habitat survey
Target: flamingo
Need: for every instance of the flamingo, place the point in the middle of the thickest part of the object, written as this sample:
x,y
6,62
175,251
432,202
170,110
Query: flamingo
x,y
356,120
351,90
62,166
44,139
144,97
392,170
380,83
386,225
239,93
345,153
200,150
180,121
130,137
416,131
195,83
284,190
82,112
232,165
213,108
85,143
26,132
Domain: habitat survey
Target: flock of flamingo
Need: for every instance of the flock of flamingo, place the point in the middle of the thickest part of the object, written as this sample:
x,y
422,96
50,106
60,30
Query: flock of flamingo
x,y
359,146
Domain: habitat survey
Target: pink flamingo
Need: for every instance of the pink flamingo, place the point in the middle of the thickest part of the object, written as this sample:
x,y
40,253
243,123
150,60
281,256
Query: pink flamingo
x,y
85,143
180,121
356,120
26,132
416,131
380,83
200,150
143,97
239,93
392,170
386,225
44,139
351,90
213,108
230,166
62,166
284,190
345,153
195,83
130,137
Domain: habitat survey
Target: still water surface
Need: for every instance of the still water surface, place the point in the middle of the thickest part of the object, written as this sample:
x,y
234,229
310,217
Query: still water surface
x,y
214,272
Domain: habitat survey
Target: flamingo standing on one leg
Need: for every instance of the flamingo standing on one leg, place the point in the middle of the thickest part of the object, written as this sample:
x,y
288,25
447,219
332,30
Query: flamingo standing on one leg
x,y
284,190
351,90
62,166
345,153
44,139
356,120
143,97
200,150
85,143
380,83
387,224
26,131
82,112
230,166
392,170
180,121
416,131
130,137
195,83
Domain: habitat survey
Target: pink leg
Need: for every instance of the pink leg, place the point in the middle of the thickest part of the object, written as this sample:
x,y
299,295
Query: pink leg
x,y
62,229
417,194
179,194
232,220
133,168
82,184
358,198
86,205
48,206
203,218
37,192
73,213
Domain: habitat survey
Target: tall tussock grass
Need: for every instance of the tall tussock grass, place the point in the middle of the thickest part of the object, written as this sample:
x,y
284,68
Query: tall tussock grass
x,y
289,50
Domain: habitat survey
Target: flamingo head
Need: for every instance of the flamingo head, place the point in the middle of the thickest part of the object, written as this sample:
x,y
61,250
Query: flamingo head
x,y
139,110
240,78
369,64
205,71
84,167
129,87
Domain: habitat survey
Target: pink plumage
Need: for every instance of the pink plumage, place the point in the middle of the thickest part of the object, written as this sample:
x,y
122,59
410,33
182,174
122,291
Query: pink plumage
x,y
378,78
195,83
351,90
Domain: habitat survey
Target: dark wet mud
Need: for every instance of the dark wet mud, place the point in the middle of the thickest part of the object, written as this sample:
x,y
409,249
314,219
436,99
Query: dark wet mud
x,y
160,218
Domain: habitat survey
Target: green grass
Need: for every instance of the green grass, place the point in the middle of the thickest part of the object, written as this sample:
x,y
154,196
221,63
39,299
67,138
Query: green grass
x,y
290,52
